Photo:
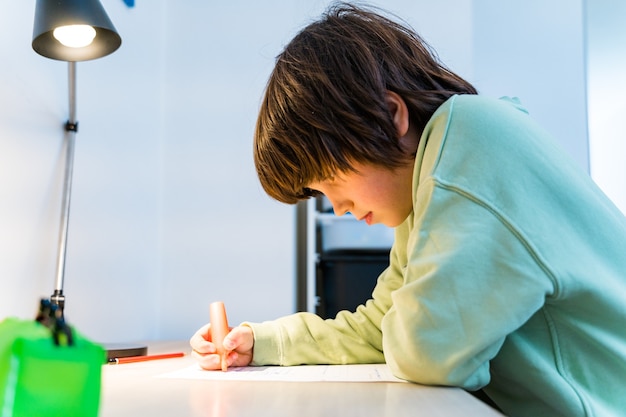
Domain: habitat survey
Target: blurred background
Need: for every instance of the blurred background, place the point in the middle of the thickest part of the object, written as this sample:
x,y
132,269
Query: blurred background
x,y
167,214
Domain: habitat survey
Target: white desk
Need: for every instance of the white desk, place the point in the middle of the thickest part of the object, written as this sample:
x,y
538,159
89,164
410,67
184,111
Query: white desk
x,y
133,390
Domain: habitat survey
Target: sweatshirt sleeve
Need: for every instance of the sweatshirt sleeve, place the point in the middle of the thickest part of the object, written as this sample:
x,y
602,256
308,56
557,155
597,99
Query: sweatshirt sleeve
x,y
351,337
470,280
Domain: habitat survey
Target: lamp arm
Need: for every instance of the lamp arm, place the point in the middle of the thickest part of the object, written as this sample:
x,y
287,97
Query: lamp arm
x,y
71,128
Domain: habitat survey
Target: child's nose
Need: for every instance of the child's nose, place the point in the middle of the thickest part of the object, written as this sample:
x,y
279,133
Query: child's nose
x,y
341,209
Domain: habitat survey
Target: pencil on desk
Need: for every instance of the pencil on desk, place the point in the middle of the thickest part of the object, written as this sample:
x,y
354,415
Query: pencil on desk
x,y
131,359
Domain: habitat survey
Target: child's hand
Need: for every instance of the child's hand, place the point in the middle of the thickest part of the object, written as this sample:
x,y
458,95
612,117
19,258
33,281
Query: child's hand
x,y
239,342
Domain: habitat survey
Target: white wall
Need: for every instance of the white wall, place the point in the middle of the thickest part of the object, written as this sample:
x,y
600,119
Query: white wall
x,y
606,66
167,214
535,50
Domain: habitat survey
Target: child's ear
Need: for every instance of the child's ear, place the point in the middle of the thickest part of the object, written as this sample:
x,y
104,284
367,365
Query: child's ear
x,y
399,112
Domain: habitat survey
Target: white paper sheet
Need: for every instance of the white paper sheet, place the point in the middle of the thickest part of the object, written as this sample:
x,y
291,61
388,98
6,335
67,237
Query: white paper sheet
x,y
303,373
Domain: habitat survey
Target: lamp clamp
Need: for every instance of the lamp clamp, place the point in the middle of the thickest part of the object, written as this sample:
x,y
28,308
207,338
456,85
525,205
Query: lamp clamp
x,y
51,316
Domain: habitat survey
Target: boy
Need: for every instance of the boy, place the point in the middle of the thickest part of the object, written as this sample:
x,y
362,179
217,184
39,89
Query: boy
x,y
508,270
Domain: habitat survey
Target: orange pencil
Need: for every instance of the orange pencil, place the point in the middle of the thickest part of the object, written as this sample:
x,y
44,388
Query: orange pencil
x,y
219,329
131,359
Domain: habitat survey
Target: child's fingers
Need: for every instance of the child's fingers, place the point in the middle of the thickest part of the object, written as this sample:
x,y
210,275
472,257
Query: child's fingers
x,y
208,361
239,339
200,341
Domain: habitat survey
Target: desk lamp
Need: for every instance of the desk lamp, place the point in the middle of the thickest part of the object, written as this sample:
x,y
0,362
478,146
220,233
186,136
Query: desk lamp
x,y
73,30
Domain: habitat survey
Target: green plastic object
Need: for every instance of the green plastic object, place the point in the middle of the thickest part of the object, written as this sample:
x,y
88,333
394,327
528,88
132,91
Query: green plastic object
x,y
41,376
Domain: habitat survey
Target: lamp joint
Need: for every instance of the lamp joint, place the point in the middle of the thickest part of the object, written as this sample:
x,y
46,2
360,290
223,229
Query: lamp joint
x,y
71,126
58,299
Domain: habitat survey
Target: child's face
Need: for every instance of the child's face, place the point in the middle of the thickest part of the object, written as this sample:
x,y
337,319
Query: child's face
x,y
373,194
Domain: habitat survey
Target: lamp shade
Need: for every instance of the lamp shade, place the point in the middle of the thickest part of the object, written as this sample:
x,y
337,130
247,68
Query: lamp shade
x,y
73,14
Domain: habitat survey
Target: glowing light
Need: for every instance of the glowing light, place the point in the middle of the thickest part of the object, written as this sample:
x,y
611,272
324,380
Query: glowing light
x,y
75,36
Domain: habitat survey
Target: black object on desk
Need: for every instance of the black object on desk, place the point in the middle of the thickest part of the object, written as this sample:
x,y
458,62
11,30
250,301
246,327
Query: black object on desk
x,y
122,350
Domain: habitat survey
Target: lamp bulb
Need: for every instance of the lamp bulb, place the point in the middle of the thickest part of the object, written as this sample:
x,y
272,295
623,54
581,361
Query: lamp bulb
x,y
75,36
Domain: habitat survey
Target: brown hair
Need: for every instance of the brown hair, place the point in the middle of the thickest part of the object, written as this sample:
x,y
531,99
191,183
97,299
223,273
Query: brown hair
x,y
324,106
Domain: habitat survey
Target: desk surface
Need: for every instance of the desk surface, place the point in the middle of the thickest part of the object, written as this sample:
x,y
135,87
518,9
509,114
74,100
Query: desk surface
x,y
133,390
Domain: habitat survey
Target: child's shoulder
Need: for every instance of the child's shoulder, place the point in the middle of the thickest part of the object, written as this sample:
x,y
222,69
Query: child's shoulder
x,y
468,127
478,105
471,112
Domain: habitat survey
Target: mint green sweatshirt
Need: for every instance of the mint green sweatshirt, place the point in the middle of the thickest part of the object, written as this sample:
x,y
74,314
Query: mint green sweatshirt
x,y
509,275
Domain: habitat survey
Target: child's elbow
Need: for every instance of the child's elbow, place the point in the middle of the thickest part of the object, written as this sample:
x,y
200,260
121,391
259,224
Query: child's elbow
x,y
433,371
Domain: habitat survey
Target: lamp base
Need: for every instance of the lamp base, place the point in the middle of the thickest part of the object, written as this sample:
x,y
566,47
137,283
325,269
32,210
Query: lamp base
x,y
123,350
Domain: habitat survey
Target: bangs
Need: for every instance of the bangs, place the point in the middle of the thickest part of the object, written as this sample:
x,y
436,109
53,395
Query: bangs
x,y
287,160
